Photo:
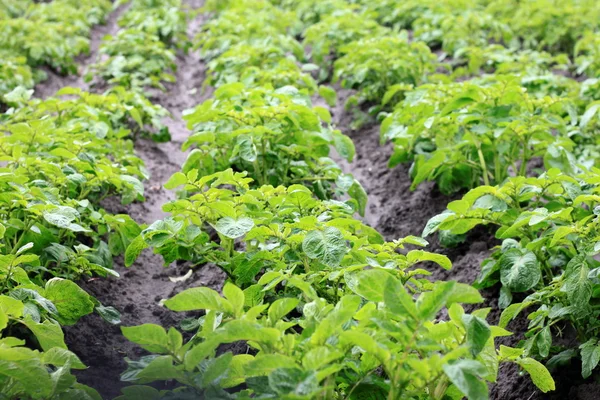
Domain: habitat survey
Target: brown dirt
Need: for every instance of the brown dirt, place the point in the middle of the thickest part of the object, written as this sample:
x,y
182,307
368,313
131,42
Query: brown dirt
x,y
393,209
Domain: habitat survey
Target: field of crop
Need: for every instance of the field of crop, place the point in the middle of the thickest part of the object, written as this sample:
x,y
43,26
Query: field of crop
x,y
299,199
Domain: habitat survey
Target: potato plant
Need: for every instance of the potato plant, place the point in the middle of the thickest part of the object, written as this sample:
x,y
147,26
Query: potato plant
x,y
142,53
273,62
380,68
536,68
457,29
547,24
60,158
14,73
135,59
310,12
33,374
392,14
326,37
587,55
275,135
163,19
245,23
40,34
378,339
463,134
549,228
280,233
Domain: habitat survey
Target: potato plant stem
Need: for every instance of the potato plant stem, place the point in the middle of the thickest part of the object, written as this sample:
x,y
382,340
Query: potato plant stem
x,y
486,179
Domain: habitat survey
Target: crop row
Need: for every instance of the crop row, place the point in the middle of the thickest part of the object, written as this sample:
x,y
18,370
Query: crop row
x,y
142,53
324,305
33,35
514,108
60,159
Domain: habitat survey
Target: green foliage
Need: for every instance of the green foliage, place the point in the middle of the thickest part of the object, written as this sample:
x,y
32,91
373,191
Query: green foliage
x,y
275,135
379,68
261,63
135,59
403,15
547,24
326,307
44,34
549,228
310,12
245,23
60,159
498,59
32,374
13,8
376,338
286,230
327,37
14,72
258,52
164,19
453,24
587,55
142,54
460,134
455,29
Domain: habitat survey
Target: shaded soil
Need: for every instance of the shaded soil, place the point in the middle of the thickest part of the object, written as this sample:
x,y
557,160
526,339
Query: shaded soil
x,y
393,209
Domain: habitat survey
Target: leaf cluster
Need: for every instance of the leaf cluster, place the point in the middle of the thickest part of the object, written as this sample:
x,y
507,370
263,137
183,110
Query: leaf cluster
x,y
378,338
381,67
275,135
142,53
462,134
549,228
52,34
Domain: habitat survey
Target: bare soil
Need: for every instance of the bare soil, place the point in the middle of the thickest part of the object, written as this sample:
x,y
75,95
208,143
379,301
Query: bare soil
x,y
393,209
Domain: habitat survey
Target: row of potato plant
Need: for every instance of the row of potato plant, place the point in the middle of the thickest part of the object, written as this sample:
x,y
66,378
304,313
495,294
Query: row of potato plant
x,y
61,158
44,34
543,25
546,263
323,306
142,53
489,130
261,118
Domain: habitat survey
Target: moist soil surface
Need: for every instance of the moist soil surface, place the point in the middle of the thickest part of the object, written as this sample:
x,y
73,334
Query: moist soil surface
x,y
393,209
